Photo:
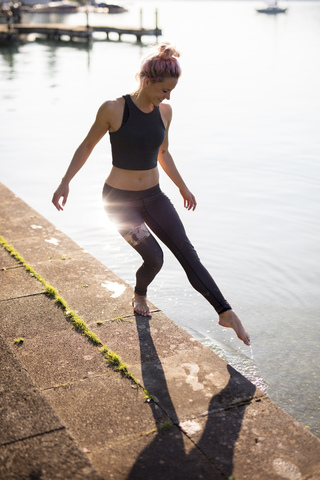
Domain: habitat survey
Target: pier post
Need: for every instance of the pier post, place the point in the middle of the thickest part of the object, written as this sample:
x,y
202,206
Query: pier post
x,y
141,18
87,18
156,19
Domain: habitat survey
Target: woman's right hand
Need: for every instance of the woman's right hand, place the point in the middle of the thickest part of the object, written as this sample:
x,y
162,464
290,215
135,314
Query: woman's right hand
x,y
62,192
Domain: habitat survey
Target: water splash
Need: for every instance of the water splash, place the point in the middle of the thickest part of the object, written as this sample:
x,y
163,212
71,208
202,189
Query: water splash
x,y
242,363
251,352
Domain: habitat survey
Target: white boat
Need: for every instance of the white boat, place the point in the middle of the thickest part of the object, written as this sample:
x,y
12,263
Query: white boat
x,y
58,6
272,9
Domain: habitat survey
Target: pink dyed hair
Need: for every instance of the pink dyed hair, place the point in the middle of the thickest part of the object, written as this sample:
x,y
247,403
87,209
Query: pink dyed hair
x,y
161,64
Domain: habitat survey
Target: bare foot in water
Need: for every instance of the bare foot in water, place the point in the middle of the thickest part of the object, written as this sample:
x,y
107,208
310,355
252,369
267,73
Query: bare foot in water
x,y
140,305
231,320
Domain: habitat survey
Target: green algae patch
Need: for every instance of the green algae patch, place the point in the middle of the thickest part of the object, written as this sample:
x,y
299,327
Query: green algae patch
x,y
62,385
149,398
115,360
167,425
20,260
119,319
50,291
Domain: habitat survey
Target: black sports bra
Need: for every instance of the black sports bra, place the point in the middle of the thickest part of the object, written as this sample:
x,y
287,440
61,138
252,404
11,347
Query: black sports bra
x,y
135,146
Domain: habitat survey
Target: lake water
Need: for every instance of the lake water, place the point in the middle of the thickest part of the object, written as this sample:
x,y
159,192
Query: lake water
x,y
246,137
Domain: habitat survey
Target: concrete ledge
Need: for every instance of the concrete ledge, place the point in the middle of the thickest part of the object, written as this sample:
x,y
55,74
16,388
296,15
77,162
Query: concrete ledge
x,y
24,412
33,441
50,456
207,420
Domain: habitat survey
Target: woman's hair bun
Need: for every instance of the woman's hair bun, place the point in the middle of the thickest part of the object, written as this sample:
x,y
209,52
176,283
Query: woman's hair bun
x,y
167,51
160,64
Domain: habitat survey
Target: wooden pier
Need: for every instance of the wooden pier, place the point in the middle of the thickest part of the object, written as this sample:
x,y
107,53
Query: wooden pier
x,y
52,31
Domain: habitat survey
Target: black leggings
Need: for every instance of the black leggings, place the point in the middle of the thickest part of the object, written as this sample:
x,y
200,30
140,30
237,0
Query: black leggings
x,y
132,213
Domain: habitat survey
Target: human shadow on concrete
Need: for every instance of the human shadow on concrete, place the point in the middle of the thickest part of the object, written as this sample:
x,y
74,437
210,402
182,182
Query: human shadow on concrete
x,y
171,455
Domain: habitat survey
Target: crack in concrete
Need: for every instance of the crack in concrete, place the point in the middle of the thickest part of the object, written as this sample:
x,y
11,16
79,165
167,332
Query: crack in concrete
x,y
35,435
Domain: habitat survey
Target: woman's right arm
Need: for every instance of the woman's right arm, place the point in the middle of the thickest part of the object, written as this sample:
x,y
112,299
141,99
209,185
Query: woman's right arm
x,y
97,131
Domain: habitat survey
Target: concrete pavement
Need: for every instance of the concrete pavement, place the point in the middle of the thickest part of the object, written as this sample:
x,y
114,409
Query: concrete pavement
x,y
66,413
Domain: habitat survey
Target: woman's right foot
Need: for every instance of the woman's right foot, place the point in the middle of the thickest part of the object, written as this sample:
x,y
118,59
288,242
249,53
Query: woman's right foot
x,y
140,305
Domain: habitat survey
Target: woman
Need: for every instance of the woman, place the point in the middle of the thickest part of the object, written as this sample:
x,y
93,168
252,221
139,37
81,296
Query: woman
x,y
138,126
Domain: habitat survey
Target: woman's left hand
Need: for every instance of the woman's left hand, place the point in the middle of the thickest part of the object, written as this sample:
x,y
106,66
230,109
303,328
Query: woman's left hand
x,y
189,199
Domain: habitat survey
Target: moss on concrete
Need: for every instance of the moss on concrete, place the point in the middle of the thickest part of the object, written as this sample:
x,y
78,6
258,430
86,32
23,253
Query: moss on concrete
x,y
79,324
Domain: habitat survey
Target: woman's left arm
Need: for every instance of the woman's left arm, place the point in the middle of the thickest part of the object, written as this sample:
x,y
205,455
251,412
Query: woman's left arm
x,y
166,161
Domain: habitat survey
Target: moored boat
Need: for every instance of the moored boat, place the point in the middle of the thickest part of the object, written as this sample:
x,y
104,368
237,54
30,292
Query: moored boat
x,y
112,8
59,6
272,9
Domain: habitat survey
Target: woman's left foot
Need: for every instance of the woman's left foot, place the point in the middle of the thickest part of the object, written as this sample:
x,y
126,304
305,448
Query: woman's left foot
x,y
140,305
230,320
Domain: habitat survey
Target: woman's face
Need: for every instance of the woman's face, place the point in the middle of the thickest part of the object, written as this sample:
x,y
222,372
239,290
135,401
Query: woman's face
x,y
157,92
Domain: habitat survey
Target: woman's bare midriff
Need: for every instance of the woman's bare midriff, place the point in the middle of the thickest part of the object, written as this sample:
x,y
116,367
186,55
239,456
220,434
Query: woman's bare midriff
x,y
134,180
